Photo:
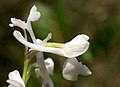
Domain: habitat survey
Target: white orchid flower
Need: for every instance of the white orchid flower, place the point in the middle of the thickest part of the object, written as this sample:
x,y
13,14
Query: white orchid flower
x,y
72,68
15,79
68,50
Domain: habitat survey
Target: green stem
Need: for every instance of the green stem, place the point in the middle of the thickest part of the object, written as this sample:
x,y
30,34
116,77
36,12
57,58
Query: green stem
x,y
25,73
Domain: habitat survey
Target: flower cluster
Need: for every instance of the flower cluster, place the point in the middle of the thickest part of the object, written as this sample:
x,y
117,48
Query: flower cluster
x,y
44,68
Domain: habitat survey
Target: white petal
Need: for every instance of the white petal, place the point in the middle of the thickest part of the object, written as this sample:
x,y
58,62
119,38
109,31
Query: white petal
x,y
75,49
71,69
34,14
79,38
49,65
76,46
15,78
84,70
18,22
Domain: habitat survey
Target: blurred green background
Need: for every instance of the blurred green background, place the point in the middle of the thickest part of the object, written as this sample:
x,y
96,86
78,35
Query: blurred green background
x,y
99,19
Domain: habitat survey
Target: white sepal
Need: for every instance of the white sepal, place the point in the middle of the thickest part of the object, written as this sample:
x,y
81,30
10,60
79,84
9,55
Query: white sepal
x,y
17,22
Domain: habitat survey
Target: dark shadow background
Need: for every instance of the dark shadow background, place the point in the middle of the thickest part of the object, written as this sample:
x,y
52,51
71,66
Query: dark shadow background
x,y
99,19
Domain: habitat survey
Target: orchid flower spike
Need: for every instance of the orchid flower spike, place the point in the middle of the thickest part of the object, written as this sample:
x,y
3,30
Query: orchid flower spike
x,y
72,68
15,79
71,49
34,14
